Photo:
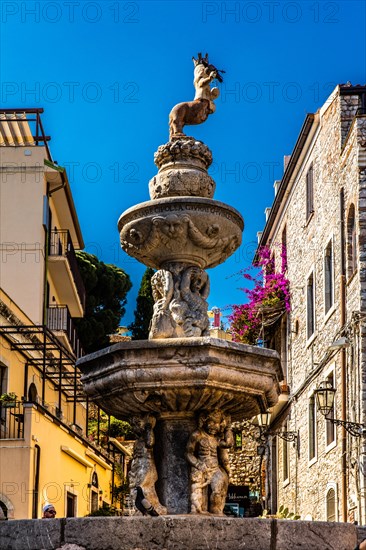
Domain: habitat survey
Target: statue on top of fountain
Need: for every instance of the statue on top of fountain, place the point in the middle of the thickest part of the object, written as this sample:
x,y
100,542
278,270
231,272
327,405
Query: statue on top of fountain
x,y
196,111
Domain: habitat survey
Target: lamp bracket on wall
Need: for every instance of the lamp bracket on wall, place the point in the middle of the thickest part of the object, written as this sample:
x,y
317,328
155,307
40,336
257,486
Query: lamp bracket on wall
x,y
287,436
354,428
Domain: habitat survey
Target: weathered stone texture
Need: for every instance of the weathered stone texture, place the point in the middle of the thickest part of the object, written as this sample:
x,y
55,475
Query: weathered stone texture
x,y
175,533
308,535
335,156
168,533
31,534
245,462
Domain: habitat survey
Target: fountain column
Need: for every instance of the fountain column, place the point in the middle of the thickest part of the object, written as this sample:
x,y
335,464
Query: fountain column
x,y
172,433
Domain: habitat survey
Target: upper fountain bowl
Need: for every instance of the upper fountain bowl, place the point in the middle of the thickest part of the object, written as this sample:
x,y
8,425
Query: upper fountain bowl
x,y
192,230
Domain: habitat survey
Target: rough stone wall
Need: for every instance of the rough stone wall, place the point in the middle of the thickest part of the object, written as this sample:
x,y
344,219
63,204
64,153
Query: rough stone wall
x,y
245,462
309,362
350,104
359,335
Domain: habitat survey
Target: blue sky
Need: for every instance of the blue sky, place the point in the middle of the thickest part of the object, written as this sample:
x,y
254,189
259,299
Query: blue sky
x,y
108,73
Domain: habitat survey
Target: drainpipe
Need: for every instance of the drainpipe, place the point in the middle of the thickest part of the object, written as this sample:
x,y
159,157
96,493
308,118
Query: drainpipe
x,y
344,401
342,315
37,458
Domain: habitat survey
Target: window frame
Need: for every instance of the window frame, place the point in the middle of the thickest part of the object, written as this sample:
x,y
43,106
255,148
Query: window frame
x,y
69,490
284,259
331,293
351,244
309,178
310,337
331,486
331,373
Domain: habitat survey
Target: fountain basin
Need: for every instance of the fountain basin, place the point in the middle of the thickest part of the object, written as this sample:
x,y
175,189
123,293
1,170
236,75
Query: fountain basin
x,y
191,230
182,375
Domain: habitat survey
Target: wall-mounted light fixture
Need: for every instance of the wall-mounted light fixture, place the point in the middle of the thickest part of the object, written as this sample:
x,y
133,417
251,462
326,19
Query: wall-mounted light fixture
x,y
325,394
340,343
264,421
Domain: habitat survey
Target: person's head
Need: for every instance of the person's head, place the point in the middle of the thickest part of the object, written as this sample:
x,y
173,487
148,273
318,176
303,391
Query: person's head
x,y
49,511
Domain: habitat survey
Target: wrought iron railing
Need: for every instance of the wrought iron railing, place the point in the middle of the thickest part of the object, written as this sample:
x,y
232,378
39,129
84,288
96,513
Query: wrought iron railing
x,y
60,244
11,420
59,319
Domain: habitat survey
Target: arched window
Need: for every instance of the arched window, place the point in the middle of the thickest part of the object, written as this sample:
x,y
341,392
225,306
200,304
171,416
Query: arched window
x,y
351,241
94,480
32,393
331,505
94,492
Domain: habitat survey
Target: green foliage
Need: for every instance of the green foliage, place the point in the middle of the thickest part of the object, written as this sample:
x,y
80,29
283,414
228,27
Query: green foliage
x,y
283,513
8,397
106,288
106,510
120,428
117,428
120,490
144,308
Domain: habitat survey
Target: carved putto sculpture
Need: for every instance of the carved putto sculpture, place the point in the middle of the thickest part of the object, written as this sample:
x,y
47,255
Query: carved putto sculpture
x,y
143,472
196,111
180,308
207,454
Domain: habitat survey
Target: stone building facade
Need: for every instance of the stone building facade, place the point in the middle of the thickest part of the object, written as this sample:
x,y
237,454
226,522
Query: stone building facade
x,y
319,215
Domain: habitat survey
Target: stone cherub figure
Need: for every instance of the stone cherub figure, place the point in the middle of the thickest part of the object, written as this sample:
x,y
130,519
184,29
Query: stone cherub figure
x,y
143,470
196,111
207,454
180,309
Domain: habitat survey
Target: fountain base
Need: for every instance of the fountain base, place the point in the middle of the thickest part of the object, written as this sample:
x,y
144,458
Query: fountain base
x,y
167,385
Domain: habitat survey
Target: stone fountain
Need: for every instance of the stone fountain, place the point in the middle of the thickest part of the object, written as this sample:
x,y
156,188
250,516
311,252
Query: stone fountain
x,y
181,389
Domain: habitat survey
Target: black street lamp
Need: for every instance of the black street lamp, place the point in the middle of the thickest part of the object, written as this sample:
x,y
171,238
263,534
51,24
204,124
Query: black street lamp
x,y
264,420
325,394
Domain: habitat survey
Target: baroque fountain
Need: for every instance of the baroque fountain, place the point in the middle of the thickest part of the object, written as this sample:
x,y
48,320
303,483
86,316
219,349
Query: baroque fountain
x,y
181,389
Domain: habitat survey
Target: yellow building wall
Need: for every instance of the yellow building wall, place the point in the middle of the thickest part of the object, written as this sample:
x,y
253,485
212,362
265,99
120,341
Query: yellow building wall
x,y
59,472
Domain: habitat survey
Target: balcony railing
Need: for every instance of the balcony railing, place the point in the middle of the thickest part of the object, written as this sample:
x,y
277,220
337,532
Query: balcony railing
x,y
23,127
61,245
59,319
11,420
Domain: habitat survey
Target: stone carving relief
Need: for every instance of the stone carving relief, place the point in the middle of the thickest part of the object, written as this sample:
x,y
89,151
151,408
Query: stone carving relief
x,y
185,149
182,182
163,236
180,308
143,470
207,454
